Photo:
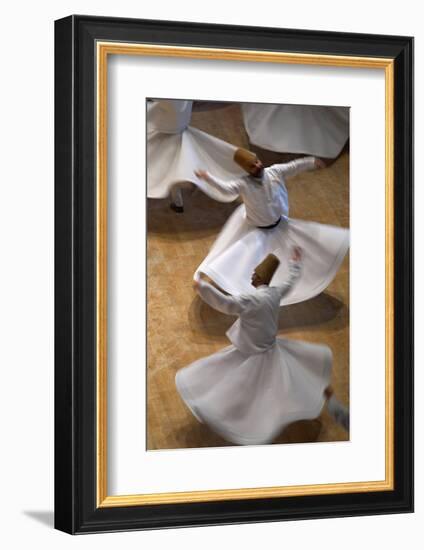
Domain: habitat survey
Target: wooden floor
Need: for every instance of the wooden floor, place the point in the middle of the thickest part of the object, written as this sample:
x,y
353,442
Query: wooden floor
x,y
181,328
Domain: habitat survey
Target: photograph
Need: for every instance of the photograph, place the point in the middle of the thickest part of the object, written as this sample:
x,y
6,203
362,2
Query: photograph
x,y
233,260
247,273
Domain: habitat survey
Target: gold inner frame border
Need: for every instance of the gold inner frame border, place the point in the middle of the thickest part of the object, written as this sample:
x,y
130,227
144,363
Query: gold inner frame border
x,y
103,50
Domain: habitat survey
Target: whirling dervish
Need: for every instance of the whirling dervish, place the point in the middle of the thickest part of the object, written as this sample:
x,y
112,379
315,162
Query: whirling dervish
x,y
175,150
250,391
316,130
261,226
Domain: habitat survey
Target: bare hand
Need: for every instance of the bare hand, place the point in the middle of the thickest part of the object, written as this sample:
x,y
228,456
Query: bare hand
x,y
320,163
196,281
202,174
296,254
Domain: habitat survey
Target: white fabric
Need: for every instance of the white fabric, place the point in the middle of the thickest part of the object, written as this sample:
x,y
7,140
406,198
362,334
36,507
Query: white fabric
x,y
175,150
249,396
265,197
309,129
168,116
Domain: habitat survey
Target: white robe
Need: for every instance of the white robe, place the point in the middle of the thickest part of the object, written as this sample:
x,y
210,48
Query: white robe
x,y
241,245
175,150
308,129
265,198
250,391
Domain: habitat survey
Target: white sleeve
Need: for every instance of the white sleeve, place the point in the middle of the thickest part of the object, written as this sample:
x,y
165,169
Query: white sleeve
x,y
294,274
226,187
226,304
293,167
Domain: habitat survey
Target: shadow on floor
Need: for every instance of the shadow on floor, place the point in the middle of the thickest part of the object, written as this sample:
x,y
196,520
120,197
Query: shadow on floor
x,y
311,315
189,436
202,216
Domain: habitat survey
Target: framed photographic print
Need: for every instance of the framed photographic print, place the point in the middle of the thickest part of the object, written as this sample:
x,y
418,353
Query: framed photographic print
x,y
234,268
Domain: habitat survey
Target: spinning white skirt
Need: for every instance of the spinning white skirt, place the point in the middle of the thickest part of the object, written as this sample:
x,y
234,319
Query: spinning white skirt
x,y
309,129
175,150
249,400
240,247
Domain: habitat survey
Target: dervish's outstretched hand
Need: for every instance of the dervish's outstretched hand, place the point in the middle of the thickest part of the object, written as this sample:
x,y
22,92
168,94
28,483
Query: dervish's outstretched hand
x,y
320,163
202,174
296,254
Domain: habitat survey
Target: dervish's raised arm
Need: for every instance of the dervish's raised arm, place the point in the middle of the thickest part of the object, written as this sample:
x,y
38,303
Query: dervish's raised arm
x,y
294,275
230,188
295,269
231,305
296,166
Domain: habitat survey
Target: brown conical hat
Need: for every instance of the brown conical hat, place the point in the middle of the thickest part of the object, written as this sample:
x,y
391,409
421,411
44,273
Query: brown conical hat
x,y
244,158
266,269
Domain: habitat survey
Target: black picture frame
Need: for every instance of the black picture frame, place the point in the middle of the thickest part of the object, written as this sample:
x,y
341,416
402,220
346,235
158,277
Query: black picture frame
x,y
76,509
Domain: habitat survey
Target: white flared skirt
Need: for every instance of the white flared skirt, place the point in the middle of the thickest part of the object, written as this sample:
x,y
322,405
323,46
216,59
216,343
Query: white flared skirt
x,y
309,129
240,247
173,158
250,399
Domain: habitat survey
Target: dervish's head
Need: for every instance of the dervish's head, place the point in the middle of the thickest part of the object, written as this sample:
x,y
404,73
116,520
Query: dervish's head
x,y
249,162
264,272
